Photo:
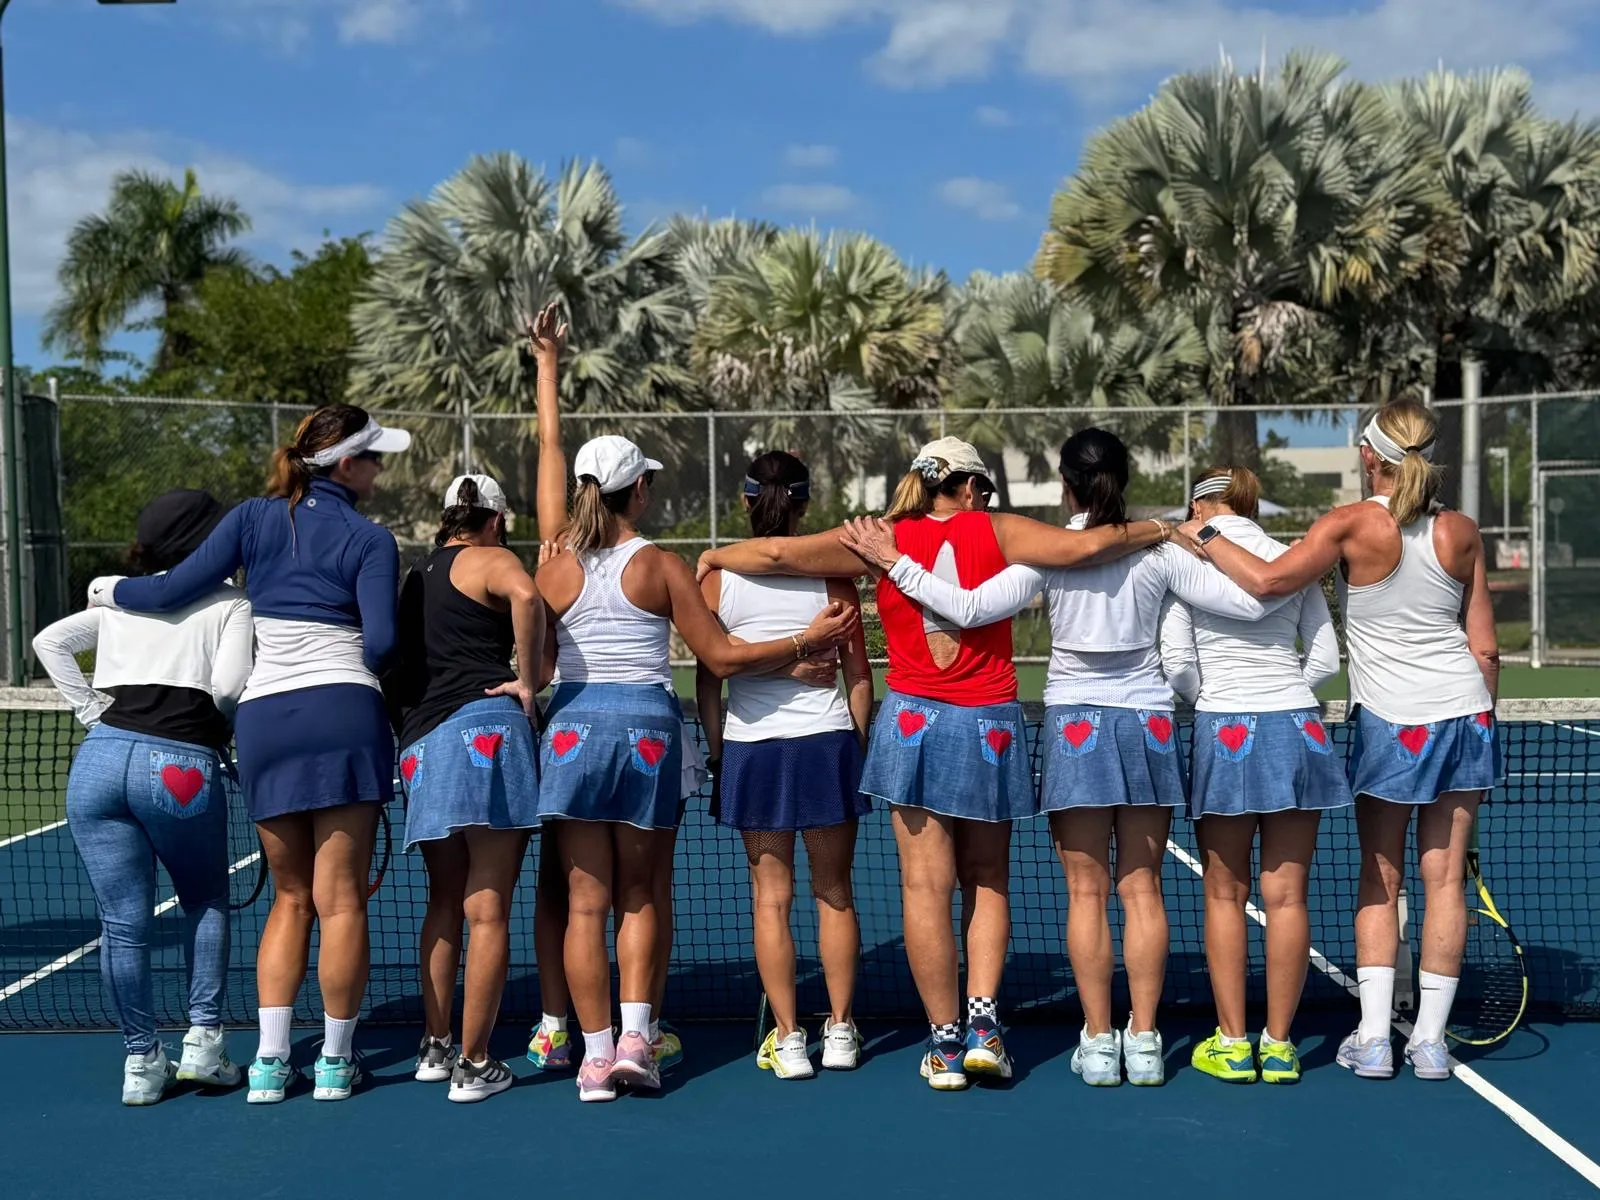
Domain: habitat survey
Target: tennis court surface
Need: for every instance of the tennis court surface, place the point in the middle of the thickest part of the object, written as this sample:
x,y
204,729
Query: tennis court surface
x,y
1520,1116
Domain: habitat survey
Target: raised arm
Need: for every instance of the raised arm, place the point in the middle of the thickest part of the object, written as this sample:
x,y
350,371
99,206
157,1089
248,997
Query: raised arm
x,y
509,580
816,556
196,577
377,598
712,646
1301,565
1319,641
547,335
230,666
1024,540
858,681
57,646
1180,662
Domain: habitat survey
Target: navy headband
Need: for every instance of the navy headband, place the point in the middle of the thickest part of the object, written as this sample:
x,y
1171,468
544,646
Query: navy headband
x,y
797,491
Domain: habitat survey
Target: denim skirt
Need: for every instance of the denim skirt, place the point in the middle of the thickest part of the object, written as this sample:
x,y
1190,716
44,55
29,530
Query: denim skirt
x,y
613,752
1102,757
478,768
1416,764
968,762
1264,763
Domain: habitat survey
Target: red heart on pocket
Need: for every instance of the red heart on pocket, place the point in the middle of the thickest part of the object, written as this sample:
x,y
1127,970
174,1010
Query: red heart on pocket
x,y
1483,719
1077,732
488,744
563,741
910,722
1233,736
652,750
183,782
408,766
1414,738
1160,728
1316,732
999,741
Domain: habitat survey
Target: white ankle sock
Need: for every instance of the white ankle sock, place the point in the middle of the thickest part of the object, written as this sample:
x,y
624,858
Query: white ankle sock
x,y
1433,1006
636,1019
553,1024
1377,1001
602,1045
337,1036
275,1024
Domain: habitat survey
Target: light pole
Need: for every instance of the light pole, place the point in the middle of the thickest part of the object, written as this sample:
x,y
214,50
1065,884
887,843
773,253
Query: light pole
x,y
1503,453
8,396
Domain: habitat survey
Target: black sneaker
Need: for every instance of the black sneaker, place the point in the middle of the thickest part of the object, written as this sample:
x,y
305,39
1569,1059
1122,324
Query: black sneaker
x,y
470,1082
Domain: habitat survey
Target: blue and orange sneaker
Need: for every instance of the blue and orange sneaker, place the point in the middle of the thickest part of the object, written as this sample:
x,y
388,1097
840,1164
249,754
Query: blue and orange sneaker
x,y
550,1051
986,1051
943,1066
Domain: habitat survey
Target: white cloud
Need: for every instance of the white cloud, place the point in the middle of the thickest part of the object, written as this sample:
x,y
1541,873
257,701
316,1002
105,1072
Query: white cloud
x,y
983,198
289,24
1117,47
382,21
994,118
809,157
58,176
814,198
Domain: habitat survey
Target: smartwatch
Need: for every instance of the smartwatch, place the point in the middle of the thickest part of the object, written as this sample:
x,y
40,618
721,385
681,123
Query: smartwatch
x,y
1207,532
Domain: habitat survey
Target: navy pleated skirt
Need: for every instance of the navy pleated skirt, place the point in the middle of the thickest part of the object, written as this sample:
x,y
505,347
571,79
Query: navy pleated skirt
x,y
314,748
787,784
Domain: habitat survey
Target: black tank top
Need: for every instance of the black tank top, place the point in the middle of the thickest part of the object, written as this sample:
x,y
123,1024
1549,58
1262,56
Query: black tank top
x,y
461,648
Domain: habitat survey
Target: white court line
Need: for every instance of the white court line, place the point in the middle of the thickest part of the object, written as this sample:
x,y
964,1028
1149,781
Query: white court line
x,y
72,956
1519,1116
1575,728
18,837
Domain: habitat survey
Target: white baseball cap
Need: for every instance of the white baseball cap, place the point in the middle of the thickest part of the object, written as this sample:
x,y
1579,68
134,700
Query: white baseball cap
x,y
490,493
948,456
371,437
613,462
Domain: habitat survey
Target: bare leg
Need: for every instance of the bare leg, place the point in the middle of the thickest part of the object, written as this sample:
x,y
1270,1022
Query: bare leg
x,y
927,883
983,865
441,931
344,838
1141,847
1288,842
771,858
588,859
832,854
285,948
1225,844
1083,844
495,858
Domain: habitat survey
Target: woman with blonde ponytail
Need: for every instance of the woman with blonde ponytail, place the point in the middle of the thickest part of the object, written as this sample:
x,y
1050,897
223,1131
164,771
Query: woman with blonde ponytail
x,y
316,754
1422,689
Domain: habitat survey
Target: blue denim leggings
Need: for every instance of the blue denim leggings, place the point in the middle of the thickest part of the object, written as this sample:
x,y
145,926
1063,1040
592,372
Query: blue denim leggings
x,y
133,799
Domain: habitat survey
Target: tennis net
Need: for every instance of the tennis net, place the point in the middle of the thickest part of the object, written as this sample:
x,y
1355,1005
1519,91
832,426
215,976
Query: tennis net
x,y
1540,851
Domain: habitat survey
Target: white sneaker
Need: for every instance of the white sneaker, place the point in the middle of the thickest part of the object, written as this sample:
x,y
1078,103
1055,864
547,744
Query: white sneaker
x,y
1142,1057
787,1059
1098,1058
205,1058
841,1047
146,1077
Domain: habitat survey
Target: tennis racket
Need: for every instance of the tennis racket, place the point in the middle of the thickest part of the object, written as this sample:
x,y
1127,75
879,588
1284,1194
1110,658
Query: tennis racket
x,y
382,850
1493,969
247,861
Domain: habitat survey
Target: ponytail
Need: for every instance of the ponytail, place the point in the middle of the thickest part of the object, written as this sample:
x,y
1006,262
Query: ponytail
x,y
778,488
466,515
1416,482
1412,429
594,516
1094,466
289,477
1242,493
913,497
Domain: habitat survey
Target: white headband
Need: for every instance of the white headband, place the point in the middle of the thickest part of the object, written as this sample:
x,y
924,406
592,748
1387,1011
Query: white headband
x,y
354,444
1391,451
1214,486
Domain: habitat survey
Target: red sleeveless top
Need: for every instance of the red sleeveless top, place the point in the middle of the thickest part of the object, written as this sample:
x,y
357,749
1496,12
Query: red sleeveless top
x,y
983,671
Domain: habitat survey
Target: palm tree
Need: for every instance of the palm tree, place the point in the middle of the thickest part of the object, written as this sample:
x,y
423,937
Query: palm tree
x,y
1020,343
439,325
1267,206
153,245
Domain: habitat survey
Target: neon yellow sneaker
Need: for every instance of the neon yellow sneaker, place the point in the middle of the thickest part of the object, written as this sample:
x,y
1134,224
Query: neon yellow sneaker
x,y
787,1058
668,1047
1279,1062
1231,1064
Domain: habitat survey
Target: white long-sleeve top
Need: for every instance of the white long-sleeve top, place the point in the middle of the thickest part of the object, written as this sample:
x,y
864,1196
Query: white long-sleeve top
x,y
1270,665
205,648
1115,637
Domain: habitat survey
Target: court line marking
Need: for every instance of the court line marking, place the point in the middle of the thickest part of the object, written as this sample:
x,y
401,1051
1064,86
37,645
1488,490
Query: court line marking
x,y
1575,728
1514,1112
19,837
72,956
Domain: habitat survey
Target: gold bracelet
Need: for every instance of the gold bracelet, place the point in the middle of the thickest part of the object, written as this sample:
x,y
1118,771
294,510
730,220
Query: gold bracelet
x,y
798,644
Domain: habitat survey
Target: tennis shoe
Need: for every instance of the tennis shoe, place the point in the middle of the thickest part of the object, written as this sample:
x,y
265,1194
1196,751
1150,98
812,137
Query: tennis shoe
x,y
986,1052
205,1059
269,1080
1232,1063
594,1080
146,1077
550,1051
336,1078
1280,1061
668,1047
841,1047
1098,1059
436,1060
471,1082
635,1064
1143,1058
1372,1059
943,1066
1428,1060
786,1058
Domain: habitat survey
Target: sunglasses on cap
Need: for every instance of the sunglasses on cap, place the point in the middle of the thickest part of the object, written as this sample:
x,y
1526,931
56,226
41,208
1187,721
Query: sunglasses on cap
x,y
369,456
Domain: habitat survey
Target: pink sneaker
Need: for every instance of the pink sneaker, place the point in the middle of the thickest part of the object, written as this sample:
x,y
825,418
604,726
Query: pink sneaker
x,y
635,1065
594,1080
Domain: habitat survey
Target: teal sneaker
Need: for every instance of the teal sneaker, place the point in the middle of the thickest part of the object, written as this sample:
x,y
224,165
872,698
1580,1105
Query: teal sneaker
x,y
336,1077
269,1080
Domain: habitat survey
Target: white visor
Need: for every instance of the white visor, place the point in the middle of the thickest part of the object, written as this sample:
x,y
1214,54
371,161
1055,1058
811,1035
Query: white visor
x,y
373,438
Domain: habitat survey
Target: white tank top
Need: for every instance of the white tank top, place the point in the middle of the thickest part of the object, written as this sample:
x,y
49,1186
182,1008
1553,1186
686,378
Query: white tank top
x,y
1409,660
761,707
605,637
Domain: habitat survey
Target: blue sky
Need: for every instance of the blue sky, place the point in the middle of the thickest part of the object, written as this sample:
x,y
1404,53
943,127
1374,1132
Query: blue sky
x,y
941,126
